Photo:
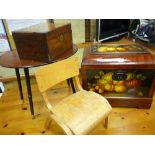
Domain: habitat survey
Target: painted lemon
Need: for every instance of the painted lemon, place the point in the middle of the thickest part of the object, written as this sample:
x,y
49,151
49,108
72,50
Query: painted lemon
x,y
102,49
121,49
111,49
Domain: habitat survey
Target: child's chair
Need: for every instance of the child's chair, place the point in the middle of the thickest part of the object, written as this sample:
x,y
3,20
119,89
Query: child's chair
x,y
78,113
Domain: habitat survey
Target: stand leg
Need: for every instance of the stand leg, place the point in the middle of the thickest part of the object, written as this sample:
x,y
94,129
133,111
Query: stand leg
x,y
28,84
19,83
72,85
68,83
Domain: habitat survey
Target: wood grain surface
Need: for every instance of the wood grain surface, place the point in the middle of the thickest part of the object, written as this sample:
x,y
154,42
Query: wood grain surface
x,y
15,117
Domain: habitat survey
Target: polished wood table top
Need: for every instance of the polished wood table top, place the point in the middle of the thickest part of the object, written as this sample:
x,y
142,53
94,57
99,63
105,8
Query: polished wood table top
x,y
12,60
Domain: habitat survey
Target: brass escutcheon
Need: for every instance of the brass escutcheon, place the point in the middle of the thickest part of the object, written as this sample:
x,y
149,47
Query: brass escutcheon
x,y
61,37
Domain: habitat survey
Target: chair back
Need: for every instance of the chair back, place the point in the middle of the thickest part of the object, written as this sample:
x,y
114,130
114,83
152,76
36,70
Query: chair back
x,y
54,73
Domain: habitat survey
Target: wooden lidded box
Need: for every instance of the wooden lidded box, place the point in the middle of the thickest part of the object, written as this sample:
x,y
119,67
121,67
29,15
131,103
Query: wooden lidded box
x,y
44,42
126,79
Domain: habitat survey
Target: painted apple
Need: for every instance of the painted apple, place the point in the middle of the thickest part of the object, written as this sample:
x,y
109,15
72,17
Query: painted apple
x,y
102,82
109,87
108,77
118,82
133,83
92,89
130,76
100,91
101,73
119,88
97,87
140,93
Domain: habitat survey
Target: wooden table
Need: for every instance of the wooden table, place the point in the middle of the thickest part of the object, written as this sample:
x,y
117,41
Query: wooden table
x,y
11,60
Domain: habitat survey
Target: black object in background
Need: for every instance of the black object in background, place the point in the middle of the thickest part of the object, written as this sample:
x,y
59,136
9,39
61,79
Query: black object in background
x,y
107,29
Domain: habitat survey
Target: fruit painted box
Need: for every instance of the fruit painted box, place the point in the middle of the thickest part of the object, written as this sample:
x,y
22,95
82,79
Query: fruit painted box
x,y
126,80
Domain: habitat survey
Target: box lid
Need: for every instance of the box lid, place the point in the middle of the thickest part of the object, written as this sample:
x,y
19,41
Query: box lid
x,y
41,28
118,61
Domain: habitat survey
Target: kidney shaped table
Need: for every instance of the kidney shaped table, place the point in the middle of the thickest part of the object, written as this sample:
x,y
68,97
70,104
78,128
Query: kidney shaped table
x,y
12,60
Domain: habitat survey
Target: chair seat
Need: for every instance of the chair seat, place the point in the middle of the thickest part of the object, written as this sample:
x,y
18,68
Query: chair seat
x,y
82,111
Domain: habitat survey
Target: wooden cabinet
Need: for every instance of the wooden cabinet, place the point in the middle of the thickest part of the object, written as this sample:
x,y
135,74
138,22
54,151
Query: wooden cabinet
x,y
126,80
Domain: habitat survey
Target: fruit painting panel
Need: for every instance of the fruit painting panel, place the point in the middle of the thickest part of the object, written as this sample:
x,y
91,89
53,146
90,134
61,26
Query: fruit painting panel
x,y
117,49
120,83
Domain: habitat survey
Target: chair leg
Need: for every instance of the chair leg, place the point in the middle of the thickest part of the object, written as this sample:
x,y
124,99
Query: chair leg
x,y
106,123
60,123
48,123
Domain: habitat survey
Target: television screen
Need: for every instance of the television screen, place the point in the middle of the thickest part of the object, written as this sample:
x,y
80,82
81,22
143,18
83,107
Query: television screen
x,y
111,28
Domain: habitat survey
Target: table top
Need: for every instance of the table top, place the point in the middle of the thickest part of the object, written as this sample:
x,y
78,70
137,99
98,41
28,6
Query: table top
x,y
11,60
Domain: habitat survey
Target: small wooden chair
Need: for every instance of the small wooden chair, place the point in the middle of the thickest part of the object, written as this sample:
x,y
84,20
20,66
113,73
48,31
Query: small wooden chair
x,y
78,113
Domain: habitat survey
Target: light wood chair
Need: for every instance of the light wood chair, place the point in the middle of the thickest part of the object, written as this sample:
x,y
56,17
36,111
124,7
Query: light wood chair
x,y
78,113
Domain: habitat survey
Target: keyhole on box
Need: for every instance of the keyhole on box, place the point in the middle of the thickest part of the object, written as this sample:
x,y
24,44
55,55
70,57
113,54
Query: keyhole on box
x,y
61,37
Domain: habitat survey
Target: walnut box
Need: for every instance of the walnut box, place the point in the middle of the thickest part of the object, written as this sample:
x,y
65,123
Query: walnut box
x,y
44,42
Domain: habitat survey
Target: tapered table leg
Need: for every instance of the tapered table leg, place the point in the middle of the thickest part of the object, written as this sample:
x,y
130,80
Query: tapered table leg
x,y
68,83
28,84
19,83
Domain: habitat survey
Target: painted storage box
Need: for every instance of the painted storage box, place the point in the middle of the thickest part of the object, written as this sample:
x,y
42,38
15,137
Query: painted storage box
x,y
126,80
